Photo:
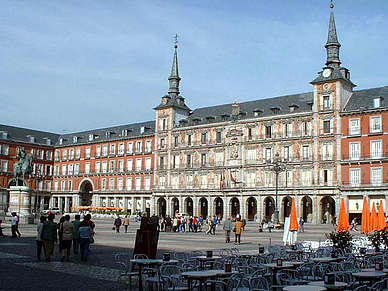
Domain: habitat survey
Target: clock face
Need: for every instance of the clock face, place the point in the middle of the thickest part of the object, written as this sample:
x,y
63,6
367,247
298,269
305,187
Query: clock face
x,y
326,73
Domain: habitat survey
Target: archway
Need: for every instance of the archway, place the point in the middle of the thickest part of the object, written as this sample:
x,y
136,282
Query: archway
x,y
204,207
189,206
161,207
269,204
252,208
327,209
235,206
85,191
307,208
219,203
175,206
286,207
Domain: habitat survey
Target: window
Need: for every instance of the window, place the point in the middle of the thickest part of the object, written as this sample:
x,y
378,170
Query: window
x,y
5,150
64,154
98,166
4,166
71,154
147,183
87,168
305,128
161,162
164,124
98,151
251,156
219,159
120,184
375,149
103,184
128,184
189,141
175,161
64,169
148,146
129,148
138,164
327,151
121,149
176,141
188,161
249,133
326,102
203,137
286,153
57,155
70,185
77,153
87,153
203,160
148,164
305,152
63,185
56,170
355,177
70,169
91,137
354,126
138,146
138,183
75,139
376,176
104,150
129,165
218,137
112,149
268,131
306,177
375,124
325,177
162,143
104,166
354,150
326,126
268,154
121,166
76,169
111,184
49,155
112,166
56,183
377,102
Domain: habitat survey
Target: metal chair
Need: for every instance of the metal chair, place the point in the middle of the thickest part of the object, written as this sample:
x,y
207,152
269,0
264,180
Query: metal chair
x,y
140,256
258,283
125,265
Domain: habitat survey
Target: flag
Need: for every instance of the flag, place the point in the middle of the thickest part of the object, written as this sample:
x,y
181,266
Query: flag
x,y
221,182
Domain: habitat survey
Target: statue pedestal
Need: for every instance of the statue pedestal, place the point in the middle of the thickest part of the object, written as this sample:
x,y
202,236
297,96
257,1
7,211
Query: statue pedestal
x,y
20,202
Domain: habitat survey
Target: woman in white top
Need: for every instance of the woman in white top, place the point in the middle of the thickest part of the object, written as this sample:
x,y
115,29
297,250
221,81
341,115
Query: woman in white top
x,y
39,240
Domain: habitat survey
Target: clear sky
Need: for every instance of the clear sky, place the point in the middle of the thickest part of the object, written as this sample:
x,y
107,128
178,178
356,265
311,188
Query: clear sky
x,y
68,66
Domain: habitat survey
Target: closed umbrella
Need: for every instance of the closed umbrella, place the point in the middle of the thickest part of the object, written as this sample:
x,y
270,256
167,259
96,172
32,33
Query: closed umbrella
x,y
365,225
293,217
343,222
381,217
373,218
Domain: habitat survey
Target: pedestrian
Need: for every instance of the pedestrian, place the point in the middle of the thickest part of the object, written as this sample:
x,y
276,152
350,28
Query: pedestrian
x,y
244,222
200,223
39,240
301,224
17,225
117,224
49,236
14,221
1,229
209,223
228,226
126,223
270,226
195,224
67,231
214,225
168,223
84,233
190,222
175,224
354,224
334,220
61,220
238,228
76,224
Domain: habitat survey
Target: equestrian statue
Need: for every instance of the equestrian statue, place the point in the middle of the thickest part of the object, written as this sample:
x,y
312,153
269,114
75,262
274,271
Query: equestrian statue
x,y
23,167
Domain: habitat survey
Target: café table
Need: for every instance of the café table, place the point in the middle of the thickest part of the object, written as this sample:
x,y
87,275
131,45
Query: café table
x,y
203,275
372,277
373,270
304,288
327,259
149,262
203,259
295,264
274,267
336,286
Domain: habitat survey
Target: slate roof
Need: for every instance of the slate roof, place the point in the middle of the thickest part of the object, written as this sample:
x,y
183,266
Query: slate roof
x,y
115,133
363,99
335,75
176,102
19,134
301,103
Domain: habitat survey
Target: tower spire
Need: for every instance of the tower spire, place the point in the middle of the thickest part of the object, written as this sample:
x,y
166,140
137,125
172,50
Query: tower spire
x,y
174,77
332,45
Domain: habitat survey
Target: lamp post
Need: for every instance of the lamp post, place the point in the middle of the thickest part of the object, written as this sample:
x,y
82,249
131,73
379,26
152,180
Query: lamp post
x,y
276,166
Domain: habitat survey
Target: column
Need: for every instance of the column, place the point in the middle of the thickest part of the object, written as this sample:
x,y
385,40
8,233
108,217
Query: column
x,y
60,203
125,206
260,208
133,205
117,202
66,204
195,206
211,206
316,212
243,207
142,204
226,206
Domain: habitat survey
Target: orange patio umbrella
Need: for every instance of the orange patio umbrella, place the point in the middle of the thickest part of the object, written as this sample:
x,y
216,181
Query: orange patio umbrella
x,y
365,224
381,217
293,217
373,218
343,222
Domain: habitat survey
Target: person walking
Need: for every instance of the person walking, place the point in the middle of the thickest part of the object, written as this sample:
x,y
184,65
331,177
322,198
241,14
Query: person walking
x,y
39,240
301,224
214,225
14,221
49,236
228,226
126,223
354,224
67,231
84,232
238,226
117,224
17,225
77,225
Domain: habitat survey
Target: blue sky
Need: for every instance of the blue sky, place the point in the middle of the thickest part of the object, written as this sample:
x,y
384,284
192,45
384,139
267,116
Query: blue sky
x,y
68,66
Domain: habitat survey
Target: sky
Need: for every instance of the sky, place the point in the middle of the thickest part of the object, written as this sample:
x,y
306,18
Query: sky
x,y
68,66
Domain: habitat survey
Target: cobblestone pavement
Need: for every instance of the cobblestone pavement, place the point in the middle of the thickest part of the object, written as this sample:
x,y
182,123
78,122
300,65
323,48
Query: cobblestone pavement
x,y
20,270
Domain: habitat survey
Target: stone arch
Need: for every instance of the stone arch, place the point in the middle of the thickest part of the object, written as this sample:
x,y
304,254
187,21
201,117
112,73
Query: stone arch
x,y
327,206
269,208
286,207
85,191
174,206
189,206
161,206
219,206
203,206
306,208
252,208
234,206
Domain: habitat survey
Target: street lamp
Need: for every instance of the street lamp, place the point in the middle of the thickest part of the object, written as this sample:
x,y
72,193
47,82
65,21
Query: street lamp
x,y
276,166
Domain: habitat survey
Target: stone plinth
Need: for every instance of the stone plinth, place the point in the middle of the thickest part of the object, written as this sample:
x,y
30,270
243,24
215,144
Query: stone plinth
x,y
20,202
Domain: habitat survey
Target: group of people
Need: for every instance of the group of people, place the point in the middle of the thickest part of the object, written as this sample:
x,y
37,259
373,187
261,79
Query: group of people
x,y
118,222
77,233
237,226
181,224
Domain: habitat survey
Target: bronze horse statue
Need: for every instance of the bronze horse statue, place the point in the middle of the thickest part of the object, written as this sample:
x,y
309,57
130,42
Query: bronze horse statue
x,y
23,167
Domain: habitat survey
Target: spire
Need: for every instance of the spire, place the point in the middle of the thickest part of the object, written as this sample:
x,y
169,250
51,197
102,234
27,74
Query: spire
x,y
332,45
174,77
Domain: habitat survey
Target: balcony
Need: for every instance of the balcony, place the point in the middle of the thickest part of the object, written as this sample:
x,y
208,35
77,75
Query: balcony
x,y
327,157
364,157
364,184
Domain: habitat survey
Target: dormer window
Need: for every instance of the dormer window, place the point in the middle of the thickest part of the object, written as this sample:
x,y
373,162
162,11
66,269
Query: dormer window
x,y
48,141
377,102
5,134
31,138
242,113
91,137
225,116
209,118
142,129
75,139
60,141
310,104
275,110
196,120
293,107
257,112
107,134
